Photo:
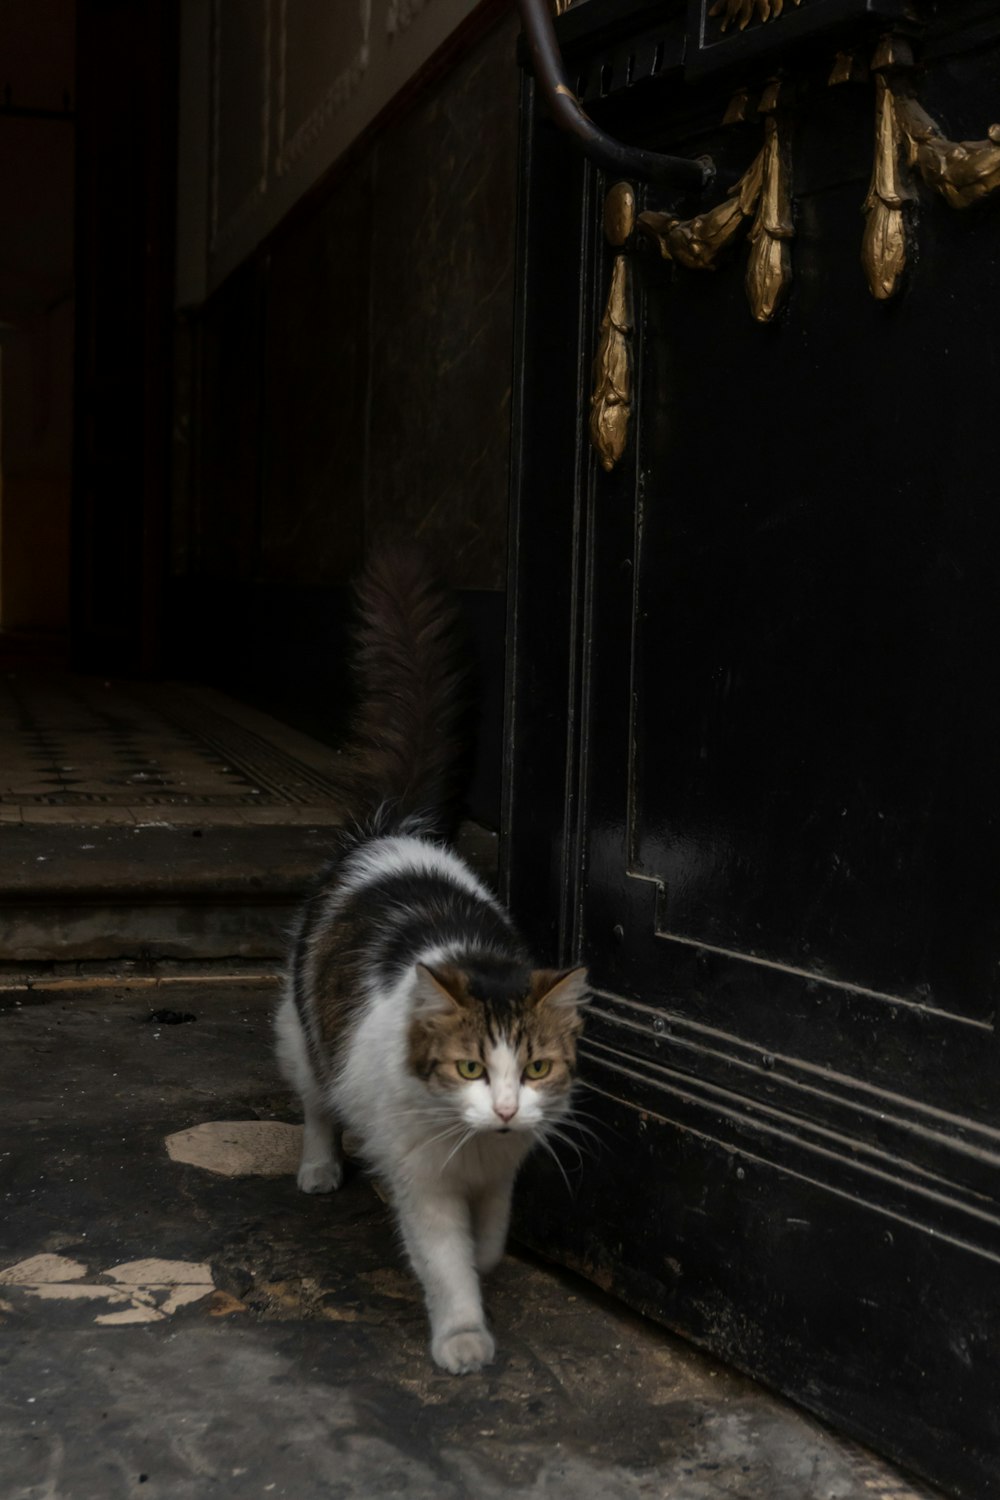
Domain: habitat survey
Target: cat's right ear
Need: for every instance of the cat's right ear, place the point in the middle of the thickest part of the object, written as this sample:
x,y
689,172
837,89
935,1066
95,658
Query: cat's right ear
x,y
435,992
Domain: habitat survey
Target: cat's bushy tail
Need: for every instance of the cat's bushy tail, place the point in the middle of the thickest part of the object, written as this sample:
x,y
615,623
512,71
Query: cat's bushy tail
x,y
406,753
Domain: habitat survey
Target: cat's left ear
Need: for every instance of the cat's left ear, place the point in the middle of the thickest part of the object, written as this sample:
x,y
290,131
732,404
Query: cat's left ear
x,y
560,989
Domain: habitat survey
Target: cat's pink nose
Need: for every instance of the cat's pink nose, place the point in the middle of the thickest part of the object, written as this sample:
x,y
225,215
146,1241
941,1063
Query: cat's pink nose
x,y
505,1111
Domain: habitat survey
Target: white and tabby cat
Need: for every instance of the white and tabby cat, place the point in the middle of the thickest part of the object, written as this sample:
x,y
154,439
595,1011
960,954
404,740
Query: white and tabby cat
x,y
413,1016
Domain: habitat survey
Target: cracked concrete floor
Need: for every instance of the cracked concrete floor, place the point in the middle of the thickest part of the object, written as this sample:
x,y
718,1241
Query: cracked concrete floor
x,y
170,1330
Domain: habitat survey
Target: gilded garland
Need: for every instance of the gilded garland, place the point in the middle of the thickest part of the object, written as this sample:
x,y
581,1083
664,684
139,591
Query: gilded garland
x,y
908,144
762,194
741,12
907,140
611,402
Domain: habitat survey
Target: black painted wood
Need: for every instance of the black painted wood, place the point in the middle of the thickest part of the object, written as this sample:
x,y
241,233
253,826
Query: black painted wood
x,y
712,43
750,779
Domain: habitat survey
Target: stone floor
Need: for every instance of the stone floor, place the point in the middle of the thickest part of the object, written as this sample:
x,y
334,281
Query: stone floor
x,y
83,750
179,1322
156,819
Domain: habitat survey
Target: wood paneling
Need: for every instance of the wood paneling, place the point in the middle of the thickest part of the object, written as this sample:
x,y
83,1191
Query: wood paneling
x,y
293,84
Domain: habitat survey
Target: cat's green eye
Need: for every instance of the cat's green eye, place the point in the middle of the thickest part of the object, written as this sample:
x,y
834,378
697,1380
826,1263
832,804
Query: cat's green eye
x,y
539,1068
469,1069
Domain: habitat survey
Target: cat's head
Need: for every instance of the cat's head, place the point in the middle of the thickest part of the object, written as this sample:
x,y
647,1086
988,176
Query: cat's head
x,y
497,1045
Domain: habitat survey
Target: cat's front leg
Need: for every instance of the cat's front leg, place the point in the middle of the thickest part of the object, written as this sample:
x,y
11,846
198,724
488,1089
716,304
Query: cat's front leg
x,y
490,1221
437,1231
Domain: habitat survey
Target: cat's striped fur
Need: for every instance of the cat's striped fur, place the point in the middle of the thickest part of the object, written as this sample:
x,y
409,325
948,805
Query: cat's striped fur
x,y
414,1016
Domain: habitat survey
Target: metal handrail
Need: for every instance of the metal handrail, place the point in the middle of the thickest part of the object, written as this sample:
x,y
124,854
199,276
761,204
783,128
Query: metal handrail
x,y
569,115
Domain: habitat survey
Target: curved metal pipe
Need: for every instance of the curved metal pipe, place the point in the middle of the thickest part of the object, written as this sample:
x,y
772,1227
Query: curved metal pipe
x,y
568,114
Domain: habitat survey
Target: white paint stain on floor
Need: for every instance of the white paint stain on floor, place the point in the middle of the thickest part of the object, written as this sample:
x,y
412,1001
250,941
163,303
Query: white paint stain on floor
x,y
239,1148
151,1290
42,1268
141,1291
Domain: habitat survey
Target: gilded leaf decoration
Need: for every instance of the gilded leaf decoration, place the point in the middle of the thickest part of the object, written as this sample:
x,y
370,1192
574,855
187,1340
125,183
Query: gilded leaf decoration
x,y
907,143
963,172
611,403
763,193
883,248
769,271
908,140
698,243
740,13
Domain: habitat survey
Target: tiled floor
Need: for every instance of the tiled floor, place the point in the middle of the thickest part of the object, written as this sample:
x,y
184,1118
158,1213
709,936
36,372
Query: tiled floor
x,y
158,820
83,750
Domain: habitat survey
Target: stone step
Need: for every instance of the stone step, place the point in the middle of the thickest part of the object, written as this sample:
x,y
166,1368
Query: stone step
x,y
87,893
105,893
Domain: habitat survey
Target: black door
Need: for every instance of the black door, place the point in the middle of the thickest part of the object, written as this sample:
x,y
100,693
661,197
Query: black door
x,y
755,718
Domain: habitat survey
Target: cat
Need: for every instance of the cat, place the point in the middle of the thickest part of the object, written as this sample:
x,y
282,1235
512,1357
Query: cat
x,y
413,1016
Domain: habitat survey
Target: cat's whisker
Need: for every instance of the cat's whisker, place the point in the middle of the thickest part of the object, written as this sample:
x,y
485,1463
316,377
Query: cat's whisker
x,y
584,1130
544,1143
451,1128
443,1135
420,1113
554,1133
470,1132
579,1151
579,1094
578,1114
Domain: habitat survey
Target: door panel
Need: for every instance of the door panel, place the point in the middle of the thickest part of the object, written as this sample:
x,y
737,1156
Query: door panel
x,y
816,620
751,753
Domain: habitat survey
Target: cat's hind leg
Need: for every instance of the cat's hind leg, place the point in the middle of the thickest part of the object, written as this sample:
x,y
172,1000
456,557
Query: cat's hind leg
x,y
321,1169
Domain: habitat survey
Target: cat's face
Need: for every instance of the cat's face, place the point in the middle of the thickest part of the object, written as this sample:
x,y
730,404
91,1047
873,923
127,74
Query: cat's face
x,y
498,1051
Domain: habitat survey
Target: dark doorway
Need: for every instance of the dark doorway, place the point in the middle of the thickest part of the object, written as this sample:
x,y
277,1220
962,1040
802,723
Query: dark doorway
x,y
126,189
37,152
88,121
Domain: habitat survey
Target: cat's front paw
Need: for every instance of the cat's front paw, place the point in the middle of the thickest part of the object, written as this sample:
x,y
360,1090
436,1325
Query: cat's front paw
x,y
320,1176
463,1351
